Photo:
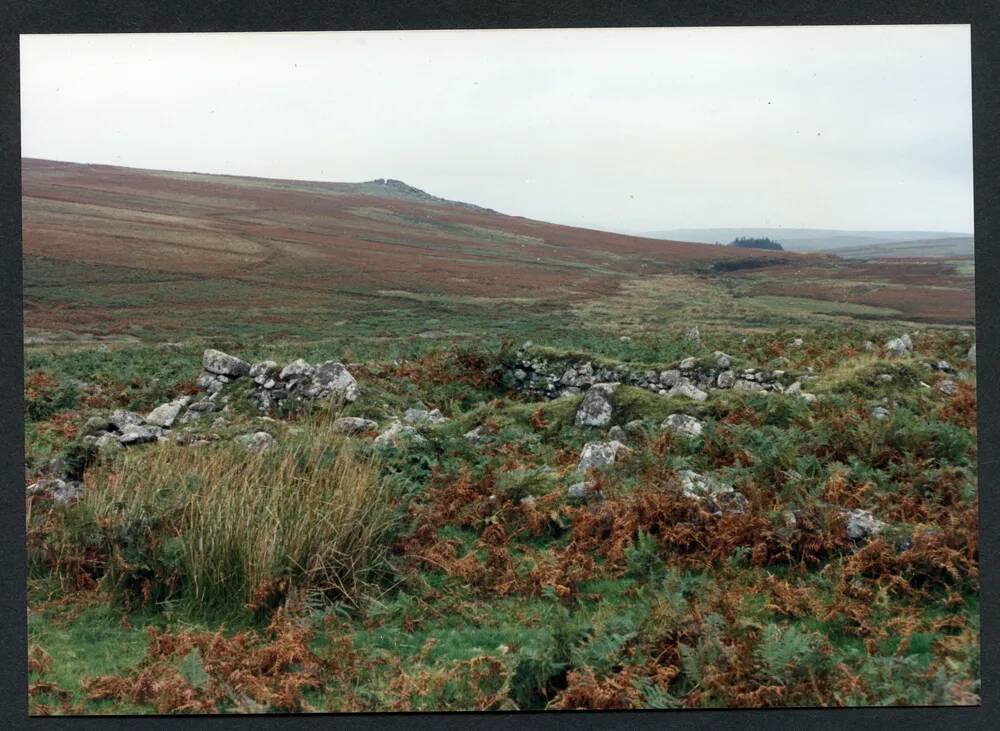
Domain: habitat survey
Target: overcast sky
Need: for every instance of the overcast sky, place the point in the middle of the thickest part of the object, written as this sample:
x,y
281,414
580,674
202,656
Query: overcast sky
x,y
622,129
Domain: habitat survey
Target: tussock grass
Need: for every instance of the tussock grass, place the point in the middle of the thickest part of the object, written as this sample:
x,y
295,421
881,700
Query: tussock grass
x,y
227,528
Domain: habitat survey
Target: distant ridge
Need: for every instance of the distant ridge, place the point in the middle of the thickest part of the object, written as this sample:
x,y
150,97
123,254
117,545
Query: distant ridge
x,y
804,239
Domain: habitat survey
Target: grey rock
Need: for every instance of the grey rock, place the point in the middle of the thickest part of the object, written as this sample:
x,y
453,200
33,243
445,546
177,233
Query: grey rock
x,y
794,389
683,424
398,434
635,427
885,377
597,406
693,334
61,491
943,365
599,454
796,343
900,346
580,490
616,434
256,442
722,498
868,345
688,363
862,525
474,435
422,416
120,418
689,391
333,379
722,360
108,443
137,434
880,413
354,425
97,424
223,364
297,369
807,397
947,386
726,380
264,373
971,355
670,378
520,375
166,414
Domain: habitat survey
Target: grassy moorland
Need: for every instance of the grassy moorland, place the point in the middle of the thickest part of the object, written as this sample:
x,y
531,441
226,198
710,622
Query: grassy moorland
x,y
450,571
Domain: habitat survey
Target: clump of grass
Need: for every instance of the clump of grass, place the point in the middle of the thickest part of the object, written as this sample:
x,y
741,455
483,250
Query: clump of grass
x,y
228,529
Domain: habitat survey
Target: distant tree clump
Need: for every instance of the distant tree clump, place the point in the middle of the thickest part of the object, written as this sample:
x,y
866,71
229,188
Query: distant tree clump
x,y
748,242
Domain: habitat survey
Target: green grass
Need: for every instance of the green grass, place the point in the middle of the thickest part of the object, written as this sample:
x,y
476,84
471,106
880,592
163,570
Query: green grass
x,y
442,633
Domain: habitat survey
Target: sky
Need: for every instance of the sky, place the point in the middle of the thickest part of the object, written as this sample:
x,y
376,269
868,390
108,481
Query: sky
x,y
850,127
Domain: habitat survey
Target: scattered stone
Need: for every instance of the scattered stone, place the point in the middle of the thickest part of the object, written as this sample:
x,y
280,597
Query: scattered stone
x,y
166,414
474,435
693,334
683,424
61,491
794,389
885,377
354,425
868,345
722,498
580,490
862,525
218,424
397,434
947,386
880,412
944,366
688,363
597,406
599,454
256,442
796,343
222,364
616,434
807,397
722,360
900,346
971,355
625,339
422,416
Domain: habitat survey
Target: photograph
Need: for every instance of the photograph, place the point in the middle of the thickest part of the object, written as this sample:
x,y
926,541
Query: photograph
x,y
509,370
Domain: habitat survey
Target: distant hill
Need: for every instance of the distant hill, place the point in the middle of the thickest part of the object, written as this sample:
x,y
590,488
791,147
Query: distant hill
x,y
804,239
959,246
742,242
